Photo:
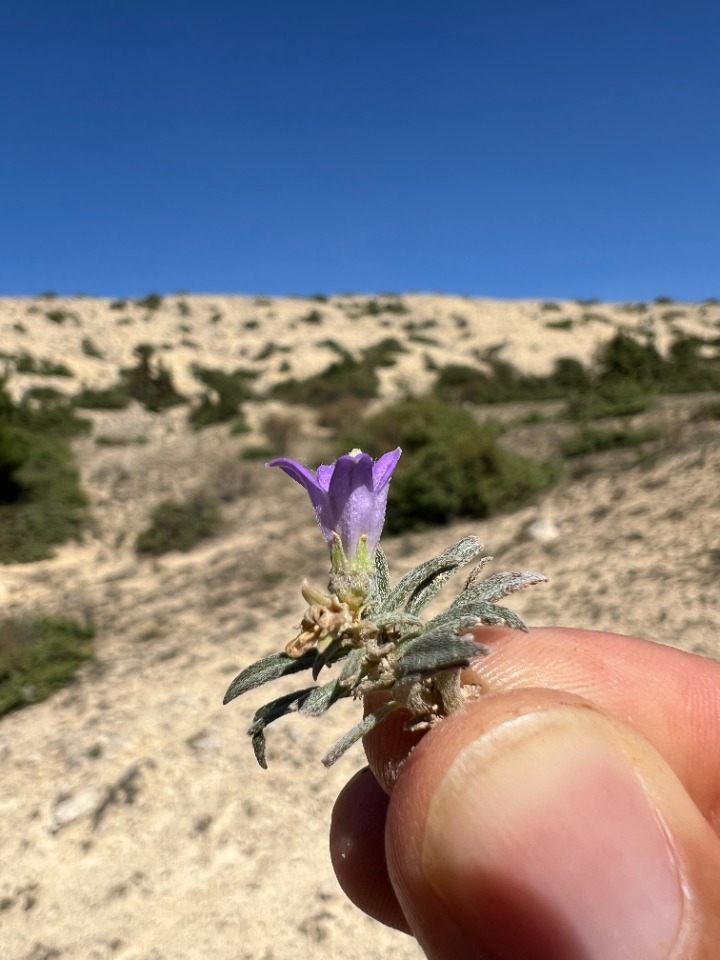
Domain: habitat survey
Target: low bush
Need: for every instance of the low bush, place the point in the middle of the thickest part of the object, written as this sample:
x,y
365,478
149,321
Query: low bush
x,y
452,466
153,301
346,377
179,526
39,656
116,397
222,402
90,350
591,439
150,383
41,501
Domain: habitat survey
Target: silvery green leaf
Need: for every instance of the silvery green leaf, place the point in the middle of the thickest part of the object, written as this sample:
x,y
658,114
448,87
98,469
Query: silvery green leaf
x,y
499,585
267,714
437,651
397,617
490,615
269,668
420,584
382,575
458,619
358,731
319,699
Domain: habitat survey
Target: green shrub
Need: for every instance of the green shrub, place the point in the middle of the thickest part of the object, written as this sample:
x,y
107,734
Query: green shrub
x,y
150,384
223,402
614,399
549,306
118,304
179,526
41,501
39,656
565,323
452,466
314,317
590,439
24,363
90,350
116,397
60,316
153,301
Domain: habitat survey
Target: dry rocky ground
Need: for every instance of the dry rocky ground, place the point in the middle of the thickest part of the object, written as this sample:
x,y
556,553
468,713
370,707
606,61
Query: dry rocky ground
x,y
136,824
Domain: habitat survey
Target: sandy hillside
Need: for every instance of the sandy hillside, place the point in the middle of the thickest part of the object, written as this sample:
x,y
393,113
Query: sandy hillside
x,y
136,824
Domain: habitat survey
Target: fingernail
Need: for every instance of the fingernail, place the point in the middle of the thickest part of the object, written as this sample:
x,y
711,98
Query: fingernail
x,y
542,842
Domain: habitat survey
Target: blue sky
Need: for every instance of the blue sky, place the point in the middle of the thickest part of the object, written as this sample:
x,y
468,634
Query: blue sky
x,y
503,149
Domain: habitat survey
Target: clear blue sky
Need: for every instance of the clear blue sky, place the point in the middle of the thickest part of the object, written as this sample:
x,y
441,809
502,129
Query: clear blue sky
x,y
505,149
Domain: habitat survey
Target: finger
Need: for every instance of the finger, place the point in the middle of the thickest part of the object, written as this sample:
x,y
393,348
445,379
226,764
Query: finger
x,y
357,849
670,697
534,825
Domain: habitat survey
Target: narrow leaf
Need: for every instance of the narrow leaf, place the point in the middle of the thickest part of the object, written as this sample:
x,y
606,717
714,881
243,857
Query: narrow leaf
x,y
358,731
430,653
382,575
499,585
319,699
267,714
418,582
269,668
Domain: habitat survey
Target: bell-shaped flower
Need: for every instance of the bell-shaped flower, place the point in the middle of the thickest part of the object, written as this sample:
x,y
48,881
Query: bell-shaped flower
x,y
349,497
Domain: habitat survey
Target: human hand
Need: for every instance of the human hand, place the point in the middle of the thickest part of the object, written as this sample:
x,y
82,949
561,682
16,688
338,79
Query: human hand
x,y
572,813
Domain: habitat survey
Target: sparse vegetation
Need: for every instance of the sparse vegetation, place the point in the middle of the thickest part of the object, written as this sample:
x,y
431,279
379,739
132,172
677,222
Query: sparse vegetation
x,y
591,439
179,526
116,397
39,656
564,323
346,377
24,363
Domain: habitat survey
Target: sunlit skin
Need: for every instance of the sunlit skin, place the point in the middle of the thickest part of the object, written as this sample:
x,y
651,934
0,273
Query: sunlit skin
x,y
663,703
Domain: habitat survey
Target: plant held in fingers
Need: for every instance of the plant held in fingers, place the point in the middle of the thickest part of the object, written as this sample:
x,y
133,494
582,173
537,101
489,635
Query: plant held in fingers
x,y
373,632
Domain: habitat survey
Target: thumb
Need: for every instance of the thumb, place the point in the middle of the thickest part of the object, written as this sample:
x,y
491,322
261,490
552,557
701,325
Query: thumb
x,y
532,826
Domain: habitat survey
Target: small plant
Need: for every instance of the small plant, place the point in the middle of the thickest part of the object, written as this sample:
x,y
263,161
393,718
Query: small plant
x,y
661,301
61,316
279,429
565,323
150,383
549,306
183,308
222,403
314,318
118,304
179,526
373,633
39,656
90,350
152,302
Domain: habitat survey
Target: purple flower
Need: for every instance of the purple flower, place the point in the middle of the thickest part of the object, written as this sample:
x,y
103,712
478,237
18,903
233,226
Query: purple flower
x,y
349,496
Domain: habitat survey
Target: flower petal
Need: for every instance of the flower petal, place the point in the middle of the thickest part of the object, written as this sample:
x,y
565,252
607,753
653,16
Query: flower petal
x,y
382,471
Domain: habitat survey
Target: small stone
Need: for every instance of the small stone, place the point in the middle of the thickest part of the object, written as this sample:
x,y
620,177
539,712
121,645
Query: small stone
x,y
80,804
